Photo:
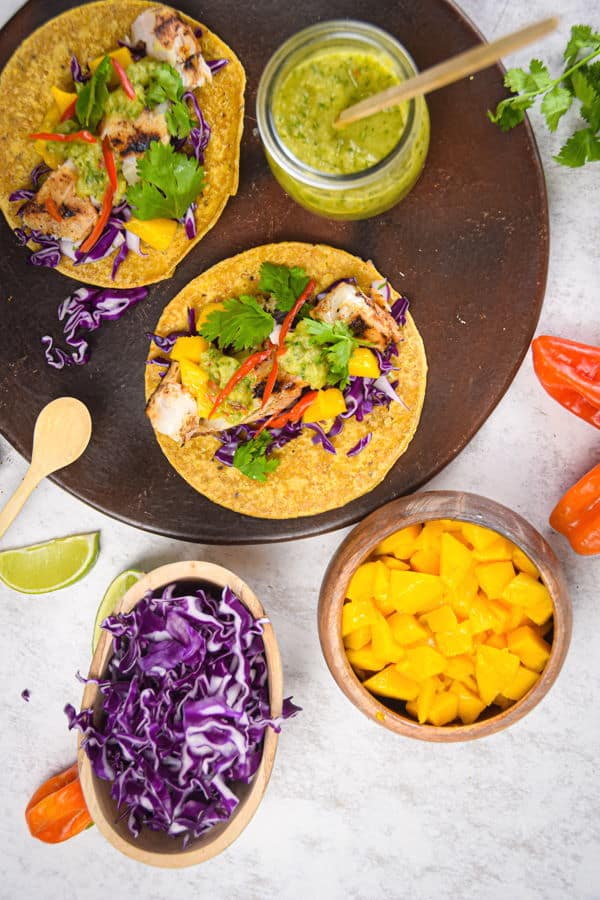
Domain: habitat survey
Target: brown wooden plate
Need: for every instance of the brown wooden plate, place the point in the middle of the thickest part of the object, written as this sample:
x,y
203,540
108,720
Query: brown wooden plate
x,y
469,246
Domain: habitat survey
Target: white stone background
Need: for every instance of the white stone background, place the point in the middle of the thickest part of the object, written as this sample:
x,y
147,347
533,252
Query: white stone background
x,y
353,811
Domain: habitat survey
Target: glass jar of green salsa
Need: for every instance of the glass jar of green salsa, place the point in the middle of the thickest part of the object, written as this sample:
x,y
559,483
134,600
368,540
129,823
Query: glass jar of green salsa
x,y
368,166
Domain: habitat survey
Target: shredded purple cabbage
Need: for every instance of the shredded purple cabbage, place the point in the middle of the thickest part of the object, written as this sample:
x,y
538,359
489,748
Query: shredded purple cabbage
x,y
76,71
199,136
138,51
26,695
399,310
186,707
35,177
320,437
215,65
83,312
360,446
189,221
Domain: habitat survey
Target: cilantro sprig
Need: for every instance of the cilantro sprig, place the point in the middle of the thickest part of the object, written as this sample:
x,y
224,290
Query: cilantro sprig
x,y
579,80
284,284
338,344
169,182
167,87
241,324
92,97
252,460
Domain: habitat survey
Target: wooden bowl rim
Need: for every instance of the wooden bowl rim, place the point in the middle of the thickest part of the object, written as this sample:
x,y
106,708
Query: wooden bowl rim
x,y
160,577
359,544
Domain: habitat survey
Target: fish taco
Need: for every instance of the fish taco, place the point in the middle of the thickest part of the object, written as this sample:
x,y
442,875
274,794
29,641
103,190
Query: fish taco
x,y
286,381
120,127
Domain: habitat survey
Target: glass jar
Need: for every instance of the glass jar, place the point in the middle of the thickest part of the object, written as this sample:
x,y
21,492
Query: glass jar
x,y
361,194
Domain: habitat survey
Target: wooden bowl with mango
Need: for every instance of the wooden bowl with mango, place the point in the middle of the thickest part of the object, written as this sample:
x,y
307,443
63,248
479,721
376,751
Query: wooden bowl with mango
x,y
444,616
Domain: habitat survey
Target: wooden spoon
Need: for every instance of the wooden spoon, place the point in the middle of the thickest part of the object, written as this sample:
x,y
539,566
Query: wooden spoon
x,y
447,72
62,432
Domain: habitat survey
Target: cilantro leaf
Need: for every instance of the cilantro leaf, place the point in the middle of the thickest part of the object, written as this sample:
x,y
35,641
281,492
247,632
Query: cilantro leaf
x,y
91,100
252,460
241,324
539,75
586,92
555,104
582,147
169,182
166,86
582,36
338,343
283,283
510,112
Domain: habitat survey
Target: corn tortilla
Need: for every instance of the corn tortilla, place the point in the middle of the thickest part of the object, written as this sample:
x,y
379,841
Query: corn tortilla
x,y
43,61
308,480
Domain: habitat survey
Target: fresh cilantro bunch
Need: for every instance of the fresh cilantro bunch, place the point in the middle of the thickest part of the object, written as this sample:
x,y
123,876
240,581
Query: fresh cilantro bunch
x,y
92,96
580,80
241,324
338,344
169,182
252,460
282,283
167,87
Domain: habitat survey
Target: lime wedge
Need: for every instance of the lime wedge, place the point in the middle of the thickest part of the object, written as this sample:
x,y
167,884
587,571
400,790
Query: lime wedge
x,y
50,566
116,589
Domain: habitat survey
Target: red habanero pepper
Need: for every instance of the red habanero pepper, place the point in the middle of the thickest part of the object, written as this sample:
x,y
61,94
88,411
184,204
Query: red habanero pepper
x,y
280,420
86,136
109,163
285,327
57,811
247,366
570,373
52,209
125,82
102,220
577,514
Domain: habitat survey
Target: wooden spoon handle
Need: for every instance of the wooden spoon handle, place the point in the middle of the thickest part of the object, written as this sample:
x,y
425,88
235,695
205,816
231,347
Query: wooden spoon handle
x,y
447,72
16,502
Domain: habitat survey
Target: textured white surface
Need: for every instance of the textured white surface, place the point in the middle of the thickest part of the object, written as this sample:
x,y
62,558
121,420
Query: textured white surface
x,y
352,811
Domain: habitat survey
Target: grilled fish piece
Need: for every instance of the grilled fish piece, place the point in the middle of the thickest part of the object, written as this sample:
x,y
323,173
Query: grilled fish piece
x,y
77,215
172,409
367,318
286,391
130,138
168,38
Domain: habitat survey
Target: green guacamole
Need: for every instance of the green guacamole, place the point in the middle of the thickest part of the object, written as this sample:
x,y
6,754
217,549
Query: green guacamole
x,y
303,359
313,94
220,368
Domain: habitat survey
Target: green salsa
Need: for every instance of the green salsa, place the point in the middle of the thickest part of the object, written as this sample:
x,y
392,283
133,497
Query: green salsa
x,y
303,359
313,94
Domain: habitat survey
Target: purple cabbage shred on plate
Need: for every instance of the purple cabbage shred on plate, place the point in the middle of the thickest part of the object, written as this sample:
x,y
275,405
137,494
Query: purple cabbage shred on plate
x,y
185,709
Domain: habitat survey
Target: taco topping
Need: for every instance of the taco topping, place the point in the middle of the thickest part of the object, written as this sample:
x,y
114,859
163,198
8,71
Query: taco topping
x,y
125,142
264,367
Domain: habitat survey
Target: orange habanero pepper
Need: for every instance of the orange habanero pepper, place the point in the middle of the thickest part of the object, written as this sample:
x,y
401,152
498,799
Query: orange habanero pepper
x,y
577,515
57,810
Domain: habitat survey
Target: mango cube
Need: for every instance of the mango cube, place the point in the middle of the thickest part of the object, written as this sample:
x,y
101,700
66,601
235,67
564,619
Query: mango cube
x,y
406,629
189,348
500,549
523,563
384,645
455,643
480,616
364,658
381,588
392,563
158,233
455,559
63,99
477,535
529,646
494,577
460,667
494,671
496,640
525,590
430,537
392,683
420,663
425,561
462,595
425,699
444,708
400,544
357,639
412,592
522,682
357,614
441,619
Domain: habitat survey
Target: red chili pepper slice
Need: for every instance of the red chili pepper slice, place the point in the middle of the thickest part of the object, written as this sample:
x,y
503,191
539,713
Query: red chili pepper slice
x,y
102,220
69,111
125,82
109,162
52,209
285,327
570,373
280,420
247,366
86,136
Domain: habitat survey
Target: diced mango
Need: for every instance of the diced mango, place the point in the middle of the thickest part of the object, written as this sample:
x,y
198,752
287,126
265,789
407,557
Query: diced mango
x,y
406,630
523,563
478,536
460,667
392,683
494,670
530,647
500,614
45,148
420,663
361,583
427,693
455,643
461,596
522,682
470,707
358,639
496,640
207,310
500,549
392,563
190,348
364,658
371,581
480,616
195,379
503,702
516,617
444,708
122,55
426,561
401,544
357,614
63,99
384,645
494,577
381,588
524,590
157,233
455,560
541,612
430,537
413,592
328,404
441,619
363,363
411,708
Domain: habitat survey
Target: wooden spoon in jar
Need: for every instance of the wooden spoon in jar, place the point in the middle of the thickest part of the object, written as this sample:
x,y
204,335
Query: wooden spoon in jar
x,y
62,432
447,72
